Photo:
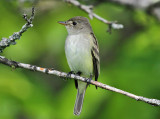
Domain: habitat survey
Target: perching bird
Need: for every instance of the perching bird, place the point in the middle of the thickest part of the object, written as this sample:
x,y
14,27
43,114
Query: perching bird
x,y
82,52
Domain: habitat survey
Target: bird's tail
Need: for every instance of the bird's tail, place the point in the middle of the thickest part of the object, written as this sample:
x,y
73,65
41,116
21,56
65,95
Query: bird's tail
x,y
79,99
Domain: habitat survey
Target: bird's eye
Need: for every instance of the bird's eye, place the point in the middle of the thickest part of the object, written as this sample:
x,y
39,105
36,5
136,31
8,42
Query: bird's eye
x,y
74,23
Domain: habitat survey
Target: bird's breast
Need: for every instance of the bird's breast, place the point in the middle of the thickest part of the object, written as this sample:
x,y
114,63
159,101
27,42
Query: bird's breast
x,y
78,53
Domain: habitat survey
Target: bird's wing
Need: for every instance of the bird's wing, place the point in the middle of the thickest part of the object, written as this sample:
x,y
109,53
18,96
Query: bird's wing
x,y
95,57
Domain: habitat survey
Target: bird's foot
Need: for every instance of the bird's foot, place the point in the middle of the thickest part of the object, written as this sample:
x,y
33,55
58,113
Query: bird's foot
x,y
68,75
89,80
79,73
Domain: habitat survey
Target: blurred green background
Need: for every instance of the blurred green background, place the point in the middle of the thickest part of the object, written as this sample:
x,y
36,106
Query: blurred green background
x,y
130,60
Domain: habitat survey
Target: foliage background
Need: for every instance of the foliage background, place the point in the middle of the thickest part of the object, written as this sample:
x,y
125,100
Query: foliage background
x,y
130,60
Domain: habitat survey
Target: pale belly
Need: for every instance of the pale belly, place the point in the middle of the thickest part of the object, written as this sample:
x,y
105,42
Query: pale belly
x,y
78,53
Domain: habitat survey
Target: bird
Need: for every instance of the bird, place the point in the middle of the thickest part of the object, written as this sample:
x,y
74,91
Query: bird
x,y
82,53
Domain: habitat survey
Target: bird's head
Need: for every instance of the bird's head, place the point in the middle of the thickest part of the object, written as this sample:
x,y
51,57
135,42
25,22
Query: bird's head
x,y
77,25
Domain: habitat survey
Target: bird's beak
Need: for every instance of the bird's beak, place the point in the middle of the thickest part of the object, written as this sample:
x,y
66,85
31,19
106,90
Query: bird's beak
x,y
62,22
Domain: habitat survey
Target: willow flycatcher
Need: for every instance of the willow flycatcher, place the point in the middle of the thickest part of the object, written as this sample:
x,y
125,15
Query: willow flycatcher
x,y
82,52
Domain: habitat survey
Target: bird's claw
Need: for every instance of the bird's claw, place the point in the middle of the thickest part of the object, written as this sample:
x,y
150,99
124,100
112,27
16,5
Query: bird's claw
x,y
68,75
89,80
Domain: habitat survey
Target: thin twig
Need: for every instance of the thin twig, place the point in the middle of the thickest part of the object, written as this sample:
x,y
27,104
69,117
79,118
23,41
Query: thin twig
x,y
88,9
5,42
52,71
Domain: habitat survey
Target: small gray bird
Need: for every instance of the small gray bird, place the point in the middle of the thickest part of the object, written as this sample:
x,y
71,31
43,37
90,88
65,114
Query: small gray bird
x,y
82,52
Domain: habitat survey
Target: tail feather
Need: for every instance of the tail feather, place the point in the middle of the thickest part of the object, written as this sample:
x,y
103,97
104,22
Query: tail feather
x,y
79,101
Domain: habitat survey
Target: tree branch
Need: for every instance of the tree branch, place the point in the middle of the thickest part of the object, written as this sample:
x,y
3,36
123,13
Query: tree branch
x,y
88,9
149,6
5,42
52,71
